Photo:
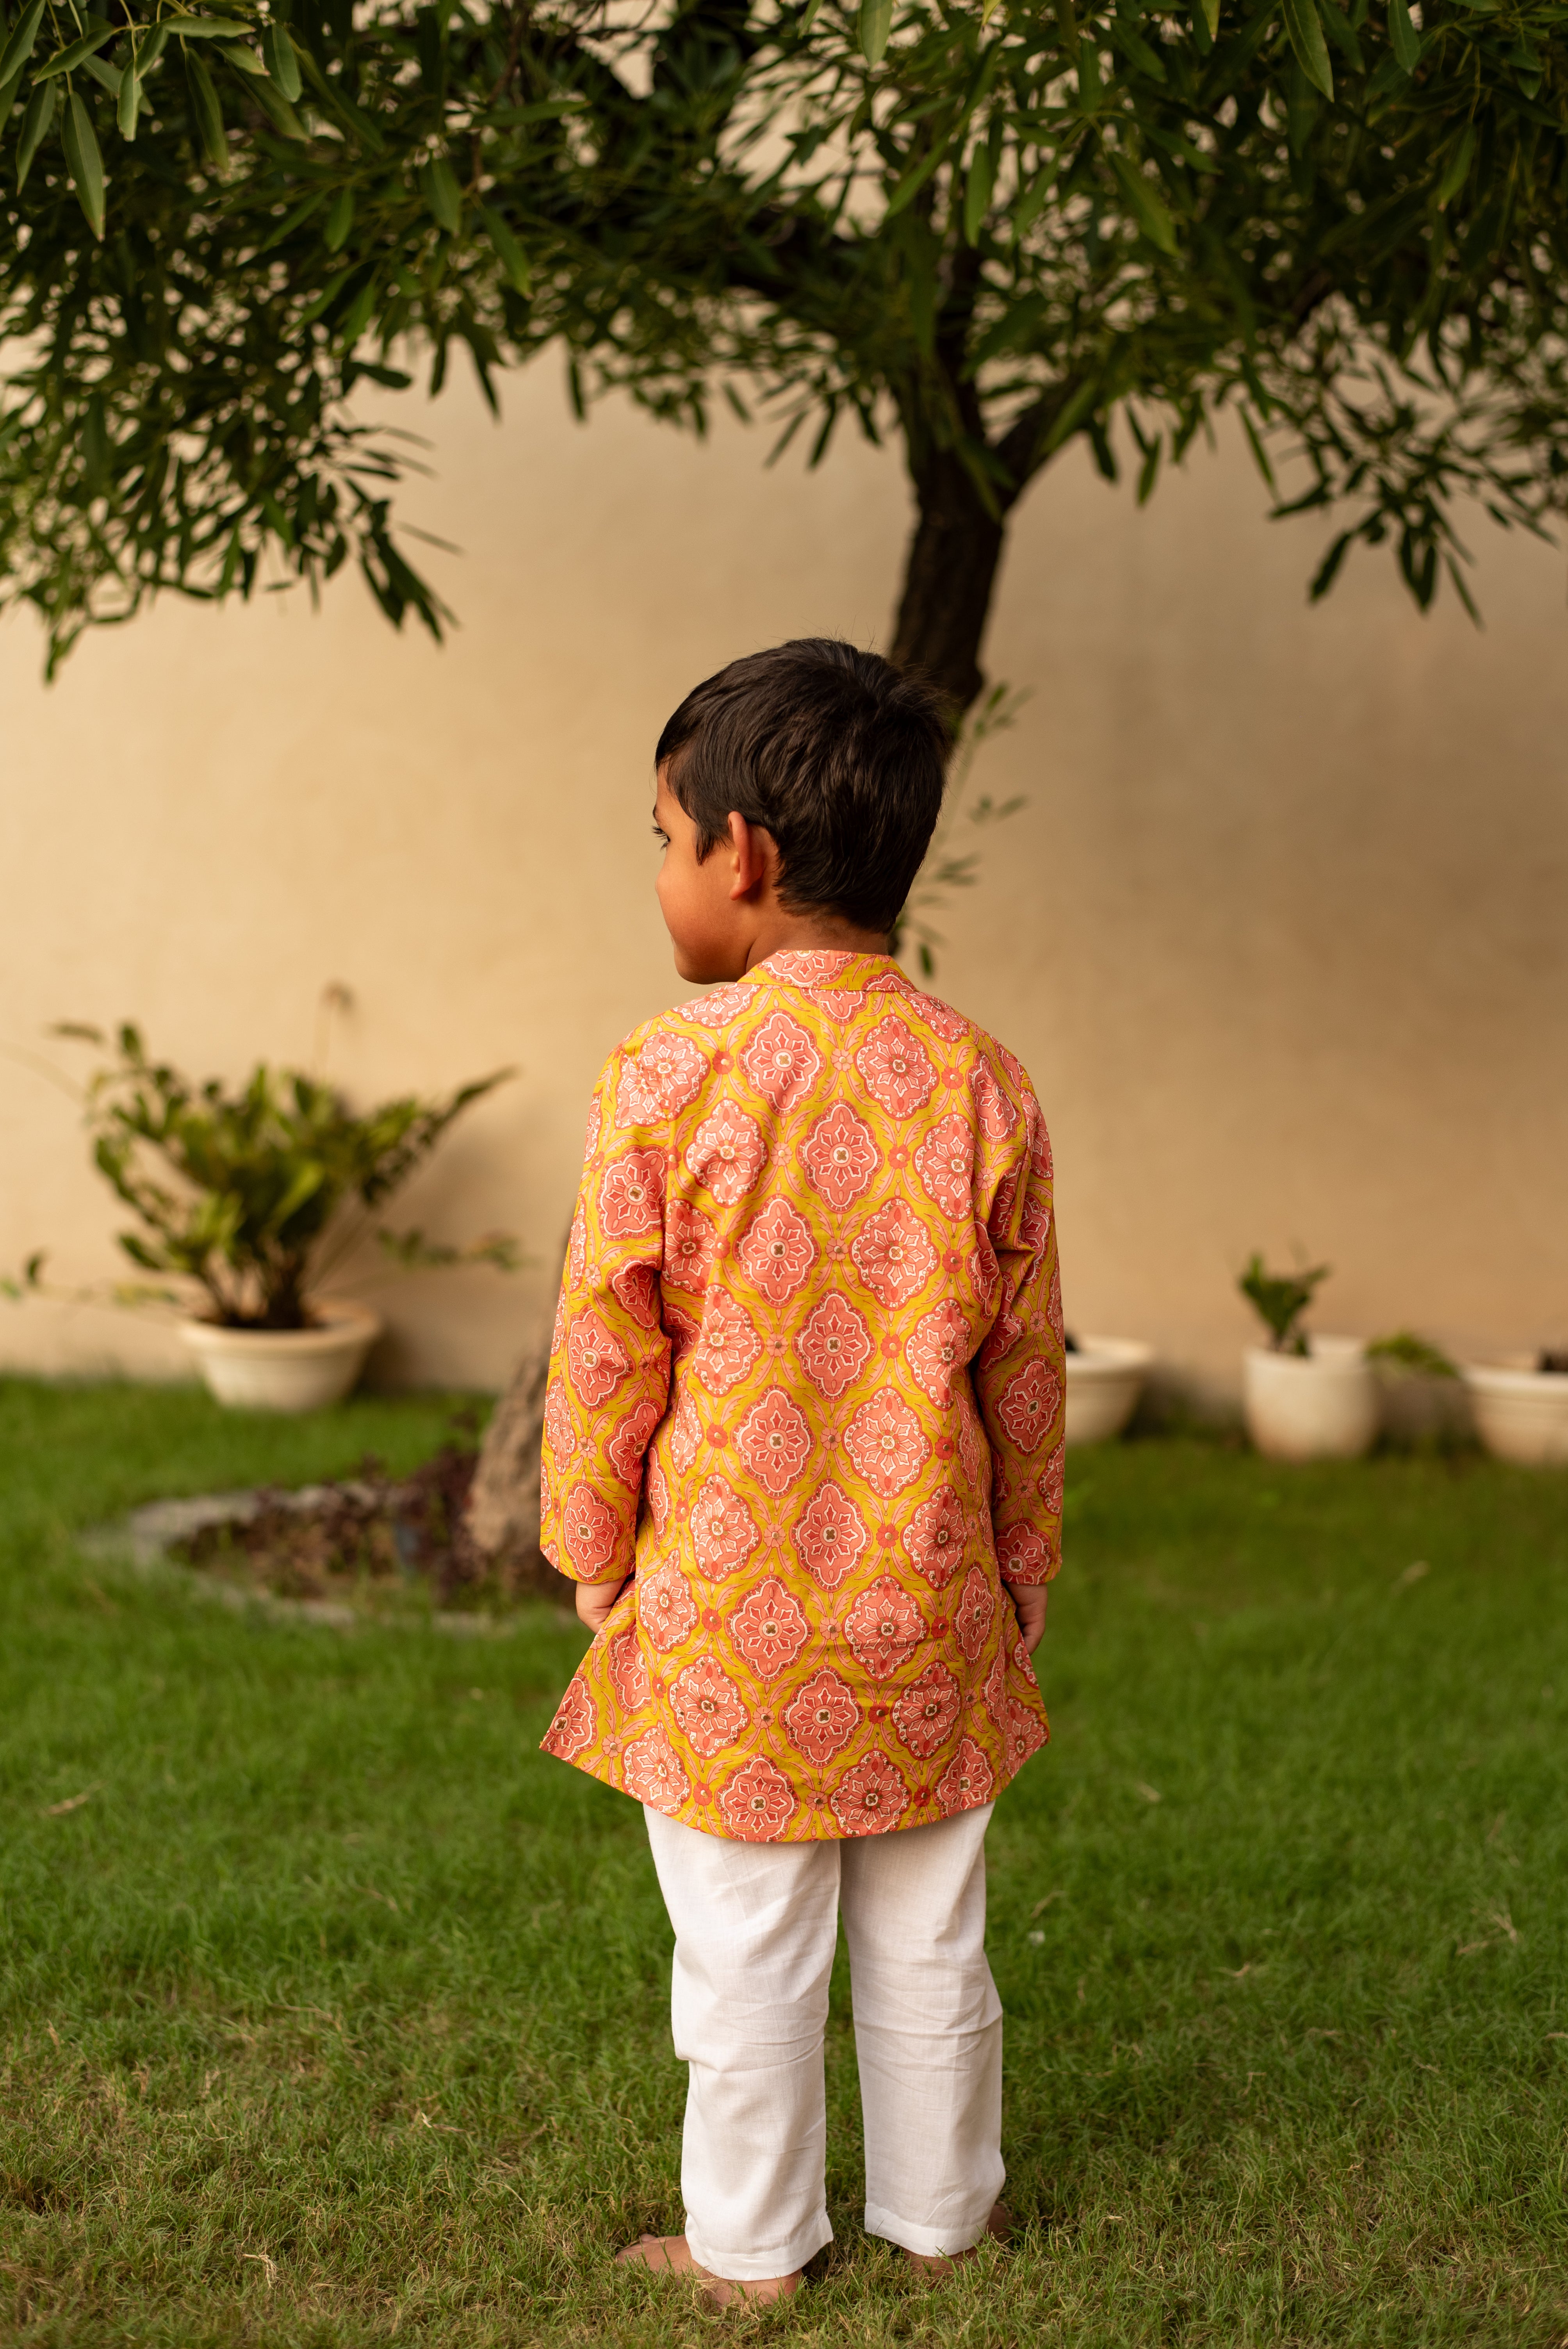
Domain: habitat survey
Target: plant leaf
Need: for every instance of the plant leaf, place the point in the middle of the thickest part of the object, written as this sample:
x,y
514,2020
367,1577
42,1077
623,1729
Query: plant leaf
x,y
281,63
507,251
875,24
276,109
84,161
1458,173
19,48
209,114
35,122
1406,40
65,60
339,220
977,193
1305,27
443,196
207,28
1146,207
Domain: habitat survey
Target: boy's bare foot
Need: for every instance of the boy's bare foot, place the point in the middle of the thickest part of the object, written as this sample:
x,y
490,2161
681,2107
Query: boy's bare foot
x,y
936,2264
671,2254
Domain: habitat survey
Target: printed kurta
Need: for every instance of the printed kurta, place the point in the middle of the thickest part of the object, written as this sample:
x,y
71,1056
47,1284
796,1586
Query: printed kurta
x,y
806,1380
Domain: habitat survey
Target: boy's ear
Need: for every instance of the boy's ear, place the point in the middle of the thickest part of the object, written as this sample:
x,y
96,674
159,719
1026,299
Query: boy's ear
x,y
750,845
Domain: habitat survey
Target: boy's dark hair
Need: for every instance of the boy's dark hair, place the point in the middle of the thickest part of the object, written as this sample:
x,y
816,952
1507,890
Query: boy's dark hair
x,y
839,754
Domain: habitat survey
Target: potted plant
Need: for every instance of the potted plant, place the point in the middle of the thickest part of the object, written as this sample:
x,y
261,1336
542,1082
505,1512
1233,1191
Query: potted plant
x,y
1105,1378
253,1198
1521,1407
1303,1398
1421,1398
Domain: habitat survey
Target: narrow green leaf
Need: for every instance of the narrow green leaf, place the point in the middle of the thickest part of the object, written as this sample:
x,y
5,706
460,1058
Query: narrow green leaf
x,y
339,220
977,195
19,48
359,315
325,298
206,29
1145,205
1211,18
84,161
1458,173
1091,89
914,179
35,122
128,103
1067,24
508,252
208,113
106,76
65,60
875,24
1305,27
278,110
442,194
282,62
1030,205
1341,33
810,18
1406,40
8,95
1072,415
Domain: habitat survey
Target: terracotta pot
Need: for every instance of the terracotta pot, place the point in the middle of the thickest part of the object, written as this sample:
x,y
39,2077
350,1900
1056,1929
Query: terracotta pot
x,y
285,1369
1317,1406
1105,1378
1521,1414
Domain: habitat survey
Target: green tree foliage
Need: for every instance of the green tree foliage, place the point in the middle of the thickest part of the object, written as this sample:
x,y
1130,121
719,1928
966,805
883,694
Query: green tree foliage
x,y
992,230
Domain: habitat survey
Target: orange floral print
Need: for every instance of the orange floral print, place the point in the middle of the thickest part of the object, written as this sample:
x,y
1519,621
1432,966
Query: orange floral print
x,y
806,1391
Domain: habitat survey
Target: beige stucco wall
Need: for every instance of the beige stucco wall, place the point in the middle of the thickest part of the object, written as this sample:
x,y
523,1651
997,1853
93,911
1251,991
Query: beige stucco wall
x,y
1280,935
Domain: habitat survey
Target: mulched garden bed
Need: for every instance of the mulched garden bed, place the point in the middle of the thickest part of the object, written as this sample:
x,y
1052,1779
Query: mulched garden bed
x,y
365,1546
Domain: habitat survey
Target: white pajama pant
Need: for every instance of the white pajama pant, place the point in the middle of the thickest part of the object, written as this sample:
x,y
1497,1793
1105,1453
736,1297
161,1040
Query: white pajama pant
x,y
755,1927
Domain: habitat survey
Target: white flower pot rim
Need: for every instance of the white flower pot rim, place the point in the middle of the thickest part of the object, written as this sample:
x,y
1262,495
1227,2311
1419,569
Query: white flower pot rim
x,y
1328,1356
340,1319
1114,1354
1515,1377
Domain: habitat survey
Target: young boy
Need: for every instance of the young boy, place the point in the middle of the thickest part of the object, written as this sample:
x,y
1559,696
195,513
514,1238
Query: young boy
x,y
803,1458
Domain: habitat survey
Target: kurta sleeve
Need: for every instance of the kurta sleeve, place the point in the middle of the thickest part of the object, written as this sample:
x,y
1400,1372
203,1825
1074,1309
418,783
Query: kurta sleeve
x,y
1020,1371
610,1358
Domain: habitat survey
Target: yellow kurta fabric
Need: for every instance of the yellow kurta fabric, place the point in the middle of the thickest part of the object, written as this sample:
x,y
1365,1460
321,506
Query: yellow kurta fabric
x,y
806,1380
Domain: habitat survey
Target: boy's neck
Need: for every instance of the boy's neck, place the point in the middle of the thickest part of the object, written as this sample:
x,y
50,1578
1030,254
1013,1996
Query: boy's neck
x,y
779,931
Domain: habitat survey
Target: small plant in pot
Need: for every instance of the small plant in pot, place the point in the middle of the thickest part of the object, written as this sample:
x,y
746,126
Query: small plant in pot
x,y
253,1198
1422,1398
1304,1397
1521,1407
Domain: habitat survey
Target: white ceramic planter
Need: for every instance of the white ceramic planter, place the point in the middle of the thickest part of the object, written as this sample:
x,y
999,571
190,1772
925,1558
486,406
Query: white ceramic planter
x,y
1520,1413
1316,1406
285,1369
1105,1378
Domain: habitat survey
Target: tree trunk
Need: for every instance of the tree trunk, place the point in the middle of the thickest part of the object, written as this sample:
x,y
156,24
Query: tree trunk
x,y
503,1503
949,577
948,580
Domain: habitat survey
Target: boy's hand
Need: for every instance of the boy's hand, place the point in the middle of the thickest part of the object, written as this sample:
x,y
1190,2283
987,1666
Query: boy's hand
x,y
1029,1601
594,1601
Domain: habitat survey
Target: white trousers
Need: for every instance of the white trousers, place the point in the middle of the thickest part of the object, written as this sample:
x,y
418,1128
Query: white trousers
x,y
755,1927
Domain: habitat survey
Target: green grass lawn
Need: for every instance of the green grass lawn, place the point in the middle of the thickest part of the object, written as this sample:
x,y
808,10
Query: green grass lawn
x,y
336,2011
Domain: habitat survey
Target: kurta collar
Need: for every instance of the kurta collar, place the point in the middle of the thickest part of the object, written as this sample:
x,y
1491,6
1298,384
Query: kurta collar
x,y
818,966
